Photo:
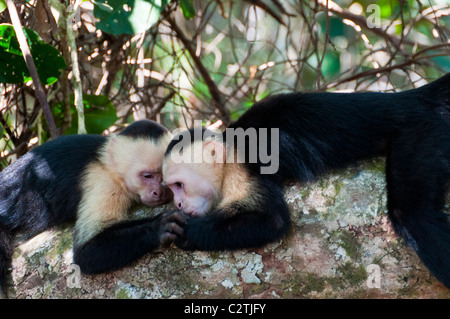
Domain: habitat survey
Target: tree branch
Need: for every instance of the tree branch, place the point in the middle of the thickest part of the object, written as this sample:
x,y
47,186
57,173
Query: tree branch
x,y
40,94
65,22
161,105
266,8
372,72
362,22
212,87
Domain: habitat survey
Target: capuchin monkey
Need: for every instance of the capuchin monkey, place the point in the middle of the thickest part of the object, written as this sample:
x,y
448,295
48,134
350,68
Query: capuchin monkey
x,y
94,180
233,204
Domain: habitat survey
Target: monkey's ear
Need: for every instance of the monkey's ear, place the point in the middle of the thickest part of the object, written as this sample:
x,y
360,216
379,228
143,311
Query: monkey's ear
x,y
110,150
214,152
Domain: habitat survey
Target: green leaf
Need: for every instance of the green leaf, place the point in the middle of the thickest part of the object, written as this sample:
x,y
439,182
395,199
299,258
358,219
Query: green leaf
x,y
187,7
331,64
48,72
2,5
129,16
99,114
13,69
8,40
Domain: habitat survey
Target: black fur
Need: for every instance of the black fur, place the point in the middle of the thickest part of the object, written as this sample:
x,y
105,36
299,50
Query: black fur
x,y
320,131
239,226
122,243
42,189
144,129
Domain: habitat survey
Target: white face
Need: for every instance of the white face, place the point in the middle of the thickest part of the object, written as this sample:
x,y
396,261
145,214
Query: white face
x,y
139,163
192,193
146,183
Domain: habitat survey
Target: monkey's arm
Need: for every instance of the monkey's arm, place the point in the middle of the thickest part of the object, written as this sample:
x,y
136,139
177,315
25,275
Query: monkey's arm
x,y
122,243
237,226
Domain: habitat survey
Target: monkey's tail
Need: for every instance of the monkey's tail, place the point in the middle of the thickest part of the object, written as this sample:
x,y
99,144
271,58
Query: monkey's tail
x,y
428,233
6,249
439,89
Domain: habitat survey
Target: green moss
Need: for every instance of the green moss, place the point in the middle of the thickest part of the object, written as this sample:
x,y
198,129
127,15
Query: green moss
x,y
215,255
313,283
337,187
305,190
376,165
362,293
351,245
300,285
65,243
351,274
48,289
292,288
378,261
323,182
35,259
177,268
255,289
337,283
122,294
348,242
407,291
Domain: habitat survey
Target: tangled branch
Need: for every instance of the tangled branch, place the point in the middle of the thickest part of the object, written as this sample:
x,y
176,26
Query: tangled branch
x,y
230,54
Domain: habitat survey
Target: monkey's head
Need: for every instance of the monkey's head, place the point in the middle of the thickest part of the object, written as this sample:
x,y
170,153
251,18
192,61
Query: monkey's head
x,y
193,171
135,156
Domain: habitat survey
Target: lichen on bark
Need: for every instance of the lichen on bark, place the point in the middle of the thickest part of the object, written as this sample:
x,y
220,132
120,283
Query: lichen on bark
x,y
340,240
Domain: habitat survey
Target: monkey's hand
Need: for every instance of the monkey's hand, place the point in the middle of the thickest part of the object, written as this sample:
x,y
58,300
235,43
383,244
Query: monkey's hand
x,y
171,225
194,229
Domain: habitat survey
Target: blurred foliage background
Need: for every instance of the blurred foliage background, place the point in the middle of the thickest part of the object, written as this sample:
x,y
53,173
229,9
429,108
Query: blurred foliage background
x,y
177,61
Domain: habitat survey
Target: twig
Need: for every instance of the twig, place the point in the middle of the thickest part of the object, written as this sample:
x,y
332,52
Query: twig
x,y
161,104
362,22
382,69
77,87
40,94
66,22
266,8
213,89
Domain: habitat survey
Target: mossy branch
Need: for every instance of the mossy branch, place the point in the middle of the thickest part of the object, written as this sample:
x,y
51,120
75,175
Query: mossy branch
x,y
66,22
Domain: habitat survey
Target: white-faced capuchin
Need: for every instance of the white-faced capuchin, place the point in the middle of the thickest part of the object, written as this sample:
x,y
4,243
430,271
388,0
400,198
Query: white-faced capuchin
x,y
233,204
94,180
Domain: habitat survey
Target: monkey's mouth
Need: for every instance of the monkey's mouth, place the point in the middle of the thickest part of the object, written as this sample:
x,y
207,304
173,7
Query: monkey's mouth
x,y
160,201
194,213
154,203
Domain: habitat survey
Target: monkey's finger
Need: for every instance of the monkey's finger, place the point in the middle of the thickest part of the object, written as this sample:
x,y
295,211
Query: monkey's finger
x,y
184,243
172,215
180,218
166,238
175,229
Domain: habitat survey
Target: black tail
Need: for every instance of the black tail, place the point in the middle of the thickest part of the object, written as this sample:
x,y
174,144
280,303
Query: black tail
x,y
418,176
439,89
6,249
428,233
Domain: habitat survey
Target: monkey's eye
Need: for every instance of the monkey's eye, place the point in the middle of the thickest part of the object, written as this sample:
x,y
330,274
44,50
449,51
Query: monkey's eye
x,y
147,175
178,185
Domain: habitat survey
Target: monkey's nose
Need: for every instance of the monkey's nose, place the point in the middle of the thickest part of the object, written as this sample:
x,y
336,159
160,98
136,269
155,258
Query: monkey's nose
x,y
165,194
